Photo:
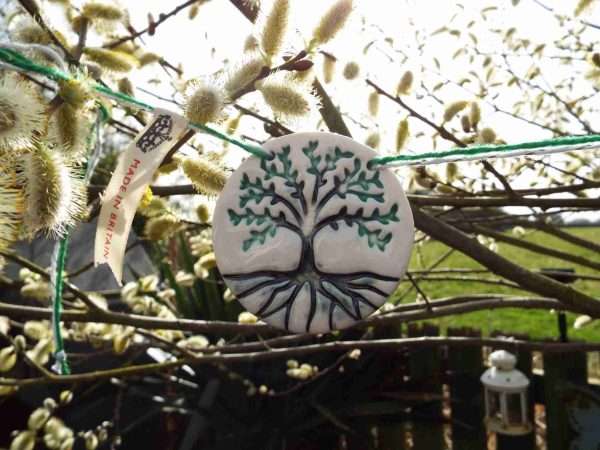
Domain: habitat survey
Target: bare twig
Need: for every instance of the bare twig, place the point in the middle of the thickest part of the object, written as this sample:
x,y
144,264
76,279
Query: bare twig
x,y
531,281
163,17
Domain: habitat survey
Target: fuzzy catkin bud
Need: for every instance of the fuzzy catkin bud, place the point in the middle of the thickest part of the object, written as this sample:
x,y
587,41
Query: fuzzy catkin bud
x,y
112,60
8,358
12,206
91,441
148,58
31,34
247,318
274,29
25,440
38,418
487,136
55,196
351,70
70,128
453,109
22,112
146,198
208,261
207,178
405,84
250,44
121,343
40,354
451,171
373,103
402,134
245,74
194,343
195,9
465,122
36,330
205,104
474,115
233,124
161,227
155,207
126,87
582,5
328,69
332,22
373,140
203,213
285,98
75,93
65,397
102,10
8,118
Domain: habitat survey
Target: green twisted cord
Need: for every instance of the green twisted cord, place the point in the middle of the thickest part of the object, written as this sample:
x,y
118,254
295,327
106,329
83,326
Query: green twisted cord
x,y
18,60
489,149
62,363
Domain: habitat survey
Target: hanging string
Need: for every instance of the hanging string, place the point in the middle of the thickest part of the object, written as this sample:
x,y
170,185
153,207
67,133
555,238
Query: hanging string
x,y
59,255
555,145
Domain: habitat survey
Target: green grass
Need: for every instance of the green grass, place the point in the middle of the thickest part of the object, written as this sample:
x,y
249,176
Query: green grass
x,y
536,323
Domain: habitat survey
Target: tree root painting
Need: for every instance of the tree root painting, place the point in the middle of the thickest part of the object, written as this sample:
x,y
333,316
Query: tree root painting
x,y
312,239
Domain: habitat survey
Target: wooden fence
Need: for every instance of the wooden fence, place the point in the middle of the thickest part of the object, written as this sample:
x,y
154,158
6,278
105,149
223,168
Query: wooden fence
x,y
448,410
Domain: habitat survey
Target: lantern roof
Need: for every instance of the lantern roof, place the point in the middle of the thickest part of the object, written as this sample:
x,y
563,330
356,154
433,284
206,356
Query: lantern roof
x,y
502,375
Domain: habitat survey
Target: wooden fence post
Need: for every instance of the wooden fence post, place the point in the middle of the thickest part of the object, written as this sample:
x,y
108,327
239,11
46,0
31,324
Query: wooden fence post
x,y
560,368
425,374
393,435
466,393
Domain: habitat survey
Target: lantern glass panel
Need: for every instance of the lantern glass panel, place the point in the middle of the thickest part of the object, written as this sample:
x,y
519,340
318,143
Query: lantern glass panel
x,y
514,405
494,404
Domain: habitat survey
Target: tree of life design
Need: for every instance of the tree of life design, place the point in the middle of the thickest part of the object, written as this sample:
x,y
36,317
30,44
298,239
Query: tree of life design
x,y
301,202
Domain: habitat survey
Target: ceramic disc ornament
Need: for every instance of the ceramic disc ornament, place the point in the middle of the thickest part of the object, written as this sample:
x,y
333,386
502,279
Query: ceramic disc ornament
x,y
312,239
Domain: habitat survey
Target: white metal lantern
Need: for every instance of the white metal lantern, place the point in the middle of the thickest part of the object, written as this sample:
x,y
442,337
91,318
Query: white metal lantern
x,y
505,395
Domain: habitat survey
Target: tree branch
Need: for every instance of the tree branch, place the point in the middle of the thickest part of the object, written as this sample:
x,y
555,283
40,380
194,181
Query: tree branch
x,y
443,132
521,243
329,347
533,282
163,17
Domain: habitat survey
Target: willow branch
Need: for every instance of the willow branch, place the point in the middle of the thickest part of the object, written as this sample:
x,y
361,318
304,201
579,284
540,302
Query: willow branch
x,y
550,190
442,131
330,347
163,17
531,281
403,313
521,243
67,285
431,200
420,200
557,232
330,114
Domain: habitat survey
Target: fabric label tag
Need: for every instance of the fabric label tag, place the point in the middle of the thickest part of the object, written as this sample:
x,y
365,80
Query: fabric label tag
x,y
129,181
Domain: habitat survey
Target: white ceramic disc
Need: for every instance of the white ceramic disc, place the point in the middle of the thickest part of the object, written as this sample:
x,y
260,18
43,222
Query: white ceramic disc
x,y
312,239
